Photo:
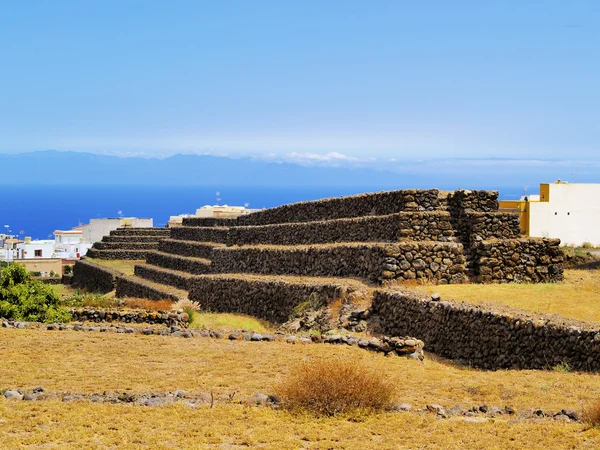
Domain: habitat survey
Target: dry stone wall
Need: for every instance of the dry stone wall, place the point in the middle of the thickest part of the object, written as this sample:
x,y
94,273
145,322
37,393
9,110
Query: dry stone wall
x,y
485,338
93,277
131,287
272,300
131,254
158,232
209,222
200,234
126,245
528,259
434,226
188,248
194,266
167,277
441,262
373,204
98,315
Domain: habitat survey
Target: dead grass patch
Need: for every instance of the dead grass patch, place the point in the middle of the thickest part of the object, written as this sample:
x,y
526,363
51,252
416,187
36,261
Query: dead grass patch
x,y
124,266
577,297
95,362
151,305
55,424
591,414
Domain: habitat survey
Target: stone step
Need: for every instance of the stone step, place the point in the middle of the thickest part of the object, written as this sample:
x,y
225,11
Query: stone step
x,y
131,238
370,204
160,275
141,232
441,262
200,234
137,287
188,248
126,245
271,298
117,254
188,264
417,225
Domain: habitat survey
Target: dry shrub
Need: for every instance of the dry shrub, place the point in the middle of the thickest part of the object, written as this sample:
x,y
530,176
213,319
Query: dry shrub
x,y
186,305
591,414
153,305
332,386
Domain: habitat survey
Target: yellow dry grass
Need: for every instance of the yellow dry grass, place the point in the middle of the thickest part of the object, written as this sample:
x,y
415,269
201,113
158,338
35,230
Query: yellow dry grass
x,y
225,321
97,362
54,424
124,266
577,297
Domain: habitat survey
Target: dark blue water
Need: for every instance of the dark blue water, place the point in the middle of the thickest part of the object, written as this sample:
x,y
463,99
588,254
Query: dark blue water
x,y
37,211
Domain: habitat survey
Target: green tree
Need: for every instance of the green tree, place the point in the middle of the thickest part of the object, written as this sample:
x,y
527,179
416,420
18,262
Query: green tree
x,y
23,298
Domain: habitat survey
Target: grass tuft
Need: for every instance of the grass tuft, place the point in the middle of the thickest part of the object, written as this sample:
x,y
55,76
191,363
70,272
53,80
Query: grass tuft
x,y
591,414
334,386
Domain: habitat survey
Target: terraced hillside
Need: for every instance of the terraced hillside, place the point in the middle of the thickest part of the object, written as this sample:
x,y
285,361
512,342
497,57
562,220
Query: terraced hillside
x,y
128,243
276,258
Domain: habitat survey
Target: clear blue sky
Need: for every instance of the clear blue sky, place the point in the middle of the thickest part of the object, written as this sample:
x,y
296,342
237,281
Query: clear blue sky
x,y
383,79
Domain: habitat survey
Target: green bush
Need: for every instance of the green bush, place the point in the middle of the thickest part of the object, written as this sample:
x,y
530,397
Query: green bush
x,y
23,298
68,269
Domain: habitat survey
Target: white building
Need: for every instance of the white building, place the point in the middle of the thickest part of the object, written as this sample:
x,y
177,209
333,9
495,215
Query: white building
x,y
97,228
224,211
69,244
35,249
570,212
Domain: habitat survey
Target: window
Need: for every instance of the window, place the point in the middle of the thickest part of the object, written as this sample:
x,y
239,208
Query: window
x,y
38,253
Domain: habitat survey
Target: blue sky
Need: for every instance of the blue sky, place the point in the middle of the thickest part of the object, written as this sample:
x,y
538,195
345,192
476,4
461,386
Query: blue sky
x,y
303,80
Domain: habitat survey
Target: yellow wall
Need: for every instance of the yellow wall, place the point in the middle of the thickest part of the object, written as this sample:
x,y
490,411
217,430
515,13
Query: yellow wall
x,y
42,265
518,206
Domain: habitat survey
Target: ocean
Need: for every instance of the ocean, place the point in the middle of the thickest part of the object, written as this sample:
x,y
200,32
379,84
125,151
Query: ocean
x,y
37,211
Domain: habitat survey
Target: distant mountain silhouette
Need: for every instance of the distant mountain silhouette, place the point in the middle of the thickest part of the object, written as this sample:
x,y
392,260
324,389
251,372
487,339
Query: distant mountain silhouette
x,y
53,167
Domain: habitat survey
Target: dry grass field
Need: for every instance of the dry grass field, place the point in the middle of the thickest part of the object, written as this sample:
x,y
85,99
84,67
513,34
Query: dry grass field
x,y
59,425
124,266
577,297
96,362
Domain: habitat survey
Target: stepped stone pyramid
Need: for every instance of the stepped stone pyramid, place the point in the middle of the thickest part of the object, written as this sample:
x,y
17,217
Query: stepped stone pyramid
x,y
268,262
128,243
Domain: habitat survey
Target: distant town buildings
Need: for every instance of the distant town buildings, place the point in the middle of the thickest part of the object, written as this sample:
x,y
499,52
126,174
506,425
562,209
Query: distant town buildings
x,y
223,211
568,211
97,228
50,256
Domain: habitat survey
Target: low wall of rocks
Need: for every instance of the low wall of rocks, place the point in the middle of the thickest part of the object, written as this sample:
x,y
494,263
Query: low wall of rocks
x,y
200,234
433,226
209,222
128,287
188,248
131,254
98,315
441,262
482,226
126,245
93,277
485,338
463,200
527,259
177,262
373,204
130,239
272,300
158,232
151,273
